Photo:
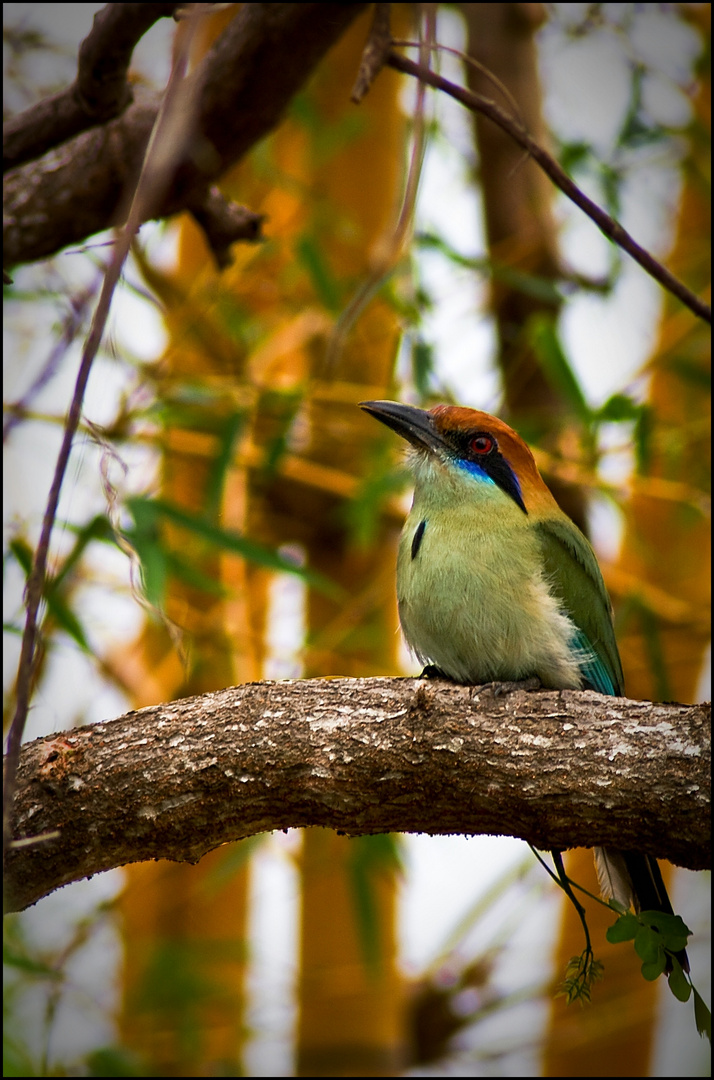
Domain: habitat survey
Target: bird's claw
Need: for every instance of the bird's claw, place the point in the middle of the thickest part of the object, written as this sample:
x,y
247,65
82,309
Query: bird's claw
x,y
431,671
498,689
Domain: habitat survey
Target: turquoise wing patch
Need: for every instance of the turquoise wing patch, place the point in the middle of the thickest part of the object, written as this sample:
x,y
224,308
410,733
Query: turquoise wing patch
x,y
595,674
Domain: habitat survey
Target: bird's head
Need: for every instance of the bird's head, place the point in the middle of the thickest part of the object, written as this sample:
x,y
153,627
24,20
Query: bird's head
x,y
468,443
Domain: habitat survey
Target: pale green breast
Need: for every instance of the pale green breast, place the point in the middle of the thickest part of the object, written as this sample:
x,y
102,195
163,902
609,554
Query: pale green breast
x,y
474,598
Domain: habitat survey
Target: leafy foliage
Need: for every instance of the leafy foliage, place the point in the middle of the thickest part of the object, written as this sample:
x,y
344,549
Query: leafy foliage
x,y
581,974
159,559
658,939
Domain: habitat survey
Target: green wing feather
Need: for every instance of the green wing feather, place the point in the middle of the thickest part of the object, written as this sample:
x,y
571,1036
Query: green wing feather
x,y
574,575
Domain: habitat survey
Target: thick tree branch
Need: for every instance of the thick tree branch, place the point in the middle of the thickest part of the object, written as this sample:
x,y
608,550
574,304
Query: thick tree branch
x,y
243,87
559,769
100,92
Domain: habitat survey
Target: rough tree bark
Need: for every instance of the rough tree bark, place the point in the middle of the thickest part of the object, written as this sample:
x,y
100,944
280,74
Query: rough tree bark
x,y
243,86
558,769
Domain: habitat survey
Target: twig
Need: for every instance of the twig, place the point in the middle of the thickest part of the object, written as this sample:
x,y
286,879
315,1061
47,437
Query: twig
x,y
376,51
472,63
224,222
607,225
564,882
72,323
165,143
392,249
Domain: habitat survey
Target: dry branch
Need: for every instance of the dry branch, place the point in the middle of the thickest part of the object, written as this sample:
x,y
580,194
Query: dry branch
x,y
610,228
243,86
100,92
559,769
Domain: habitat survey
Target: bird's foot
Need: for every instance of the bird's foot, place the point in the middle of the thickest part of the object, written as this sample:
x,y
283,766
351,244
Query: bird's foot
x,y
431,671
498,689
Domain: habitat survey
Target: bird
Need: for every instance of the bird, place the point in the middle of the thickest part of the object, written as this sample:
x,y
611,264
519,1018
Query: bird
x,y
495,583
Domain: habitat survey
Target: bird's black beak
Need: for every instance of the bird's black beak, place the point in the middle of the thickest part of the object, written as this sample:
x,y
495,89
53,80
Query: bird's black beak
x,y
415,425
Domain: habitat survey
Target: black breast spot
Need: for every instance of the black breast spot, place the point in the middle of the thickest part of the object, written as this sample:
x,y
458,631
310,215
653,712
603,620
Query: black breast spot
x,y
417,538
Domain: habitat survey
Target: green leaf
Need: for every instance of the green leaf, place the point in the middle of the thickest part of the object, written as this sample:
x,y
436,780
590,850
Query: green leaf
x,y
619,407
192,405
23,554
672,929
432,242
678,982
702,1016
16,1060
648,946
277,410
148,513
57,606
323,280
187,571
21,961
370,857
227,434
326,140
234,858
691,370
651,631
556,367
580,975
363,513
611,180
99,528
114,1061
573,154
66,620
624,929
643,437
422,365
652,969
145,538
539,288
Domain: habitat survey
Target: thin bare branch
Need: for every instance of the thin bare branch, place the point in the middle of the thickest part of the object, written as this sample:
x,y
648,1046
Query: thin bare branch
x,y
393,245
375,52
79,306
607,225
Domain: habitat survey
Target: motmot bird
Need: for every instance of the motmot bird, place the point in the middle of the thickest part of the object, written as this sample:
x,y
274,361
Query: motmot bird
x,y
496,583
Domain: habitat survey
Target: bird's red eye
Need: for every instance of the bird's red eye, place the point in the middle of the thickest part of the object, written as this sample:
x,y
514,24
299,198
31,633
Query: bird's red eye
x,y
481,444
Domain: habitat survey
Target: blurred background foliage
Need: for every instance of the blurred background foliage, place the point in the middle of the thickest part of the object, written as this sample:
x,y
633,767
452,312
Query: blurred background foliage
x,y
233,517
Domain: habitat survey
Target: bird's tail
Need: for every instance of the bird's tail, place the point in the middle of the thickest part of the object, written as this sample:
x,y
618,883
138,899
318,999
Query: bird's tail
x,y
612,876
